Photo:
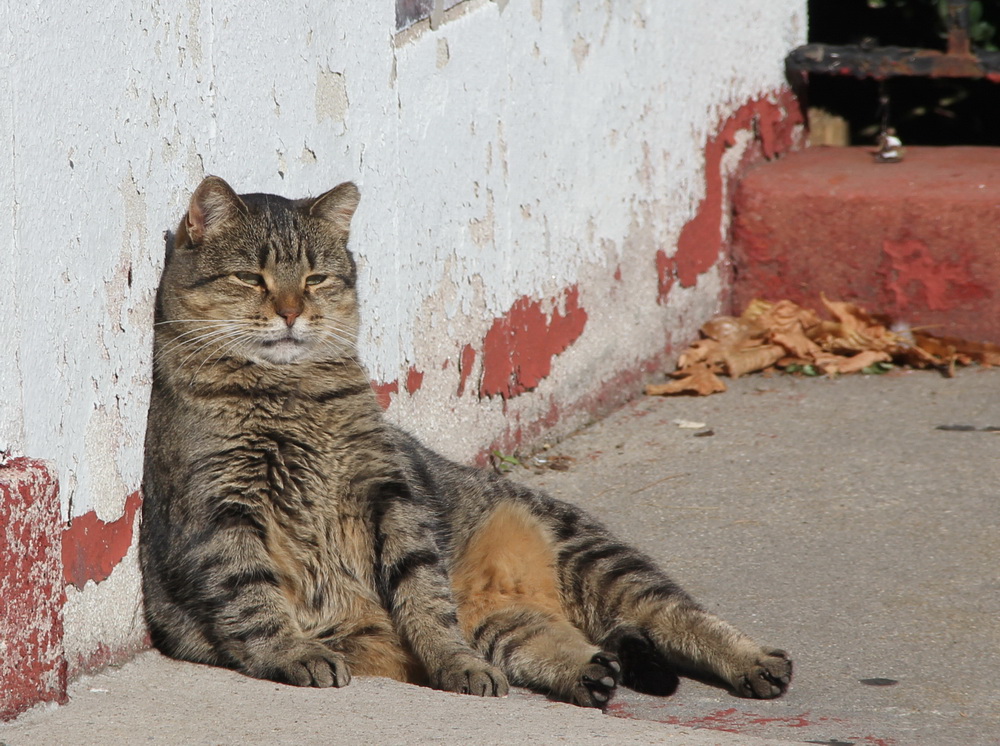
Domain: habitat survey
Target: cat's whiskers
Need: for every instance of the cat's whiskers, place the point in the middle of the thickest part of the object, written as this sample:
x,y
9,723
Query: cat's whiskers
x,y
179,344
337,341
346,335
200,321
221,353
196,335
220,338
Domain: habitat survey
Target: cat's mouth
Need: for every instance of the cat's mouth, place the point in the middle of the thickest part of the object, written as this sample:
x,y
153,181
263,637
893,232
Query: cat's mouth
x,y
288,348
282,342
287,338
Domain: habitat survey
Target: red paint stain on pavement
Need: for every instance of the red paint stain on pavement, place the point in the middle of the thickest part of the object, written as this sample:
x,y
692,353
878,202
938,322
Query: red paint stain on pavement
x,y
733,720
384,392
519,347
91,548
414,380
700,242
465,363
914,278
32,593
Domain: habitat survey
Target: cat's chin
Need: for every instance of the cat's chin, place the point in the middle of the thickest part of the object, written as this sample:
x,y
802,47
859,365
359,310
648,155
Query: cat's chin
x,y
282,352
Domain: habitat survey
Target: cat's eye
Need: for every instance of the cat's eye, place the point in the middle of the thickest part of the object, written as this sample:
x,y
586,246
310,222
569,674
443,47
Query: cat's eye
x,y
315,279
250,278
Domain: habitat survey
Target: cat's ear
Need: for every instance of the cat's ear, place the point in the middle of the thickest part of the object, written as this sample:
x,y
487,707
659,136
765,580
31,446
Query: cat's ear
x,y
337,205
213,205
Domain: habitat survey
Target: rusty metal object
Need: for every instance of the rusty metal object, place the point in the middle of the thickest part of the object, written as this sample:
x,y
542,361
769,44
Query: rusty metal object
x,y
869,61
888,62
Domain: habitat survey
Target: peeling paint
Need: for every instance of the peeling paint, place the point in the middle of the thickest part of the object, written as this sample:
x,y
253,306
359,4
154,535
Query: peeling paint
x,y
92,548
519,347
32,663
581,49
108,618
443,54
414,380
915,279
465,363
384,392
666,273
331,96
483,230
700,242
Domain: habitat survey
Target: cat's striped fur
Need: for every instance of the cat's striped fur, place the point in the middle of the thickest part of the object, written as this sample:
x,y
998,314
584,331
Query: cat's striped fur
x,y
292,533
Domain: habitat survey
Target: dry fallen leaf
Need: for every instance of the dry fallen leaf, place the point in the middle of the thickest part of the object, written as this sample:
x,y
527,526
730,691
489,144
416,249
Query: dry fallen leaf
x,y
783,316
731,330
833,364
750,359
703,351
696,379
983,353
784,334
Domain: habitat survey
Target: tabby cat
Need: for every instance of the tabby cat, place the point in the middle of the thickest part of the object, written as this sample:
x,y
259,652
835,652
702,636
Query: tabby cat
x,y
292,533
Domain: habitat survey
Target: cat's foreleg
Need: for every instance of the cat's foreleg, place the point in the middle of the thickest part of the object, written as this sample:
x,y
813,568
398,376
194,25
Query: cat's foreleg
x,y
233,586
414,585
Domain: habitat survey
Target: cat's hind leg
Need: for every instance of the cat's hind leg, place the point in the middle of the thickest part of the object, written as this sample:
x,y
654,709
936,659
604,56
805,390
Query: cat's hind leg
x,y
659,638
509,608
624,602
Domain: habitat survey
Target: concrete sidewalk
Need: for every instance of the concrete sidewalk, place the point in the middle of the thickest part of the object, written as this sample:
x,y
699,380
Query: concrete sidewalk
x,y
830,518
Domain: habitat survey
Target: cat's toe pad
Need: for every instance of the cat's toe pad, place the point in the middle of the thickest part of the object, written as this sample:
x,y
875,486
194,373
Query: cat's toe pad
x,y
768,677
468,675
598,680
305,665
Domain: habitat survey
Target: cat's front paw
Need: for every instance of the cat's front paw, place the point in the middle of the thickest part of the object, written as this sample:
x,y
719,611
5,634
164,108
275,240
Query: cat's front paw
x,y
598,680
467,674
303,664
768,677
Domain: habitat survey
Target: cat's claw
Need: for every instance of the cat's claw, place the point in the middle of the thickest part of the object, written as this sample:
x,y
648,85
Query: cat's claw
x,y
470,675
598,680
768,677
307,665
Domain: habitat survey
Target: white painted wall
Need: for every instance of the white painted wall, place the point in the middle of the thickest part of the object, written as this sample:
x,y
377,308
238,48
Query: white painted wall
x,y
518,149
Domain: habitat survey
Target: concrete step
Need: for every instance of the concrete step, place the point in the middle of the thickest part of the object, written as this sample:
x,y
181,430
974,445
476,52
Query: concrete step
x,y
917,240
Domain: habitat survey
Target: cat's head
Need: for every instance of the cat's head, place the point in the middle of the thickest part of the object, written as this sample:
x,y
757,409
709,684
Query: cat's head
x,y
260,278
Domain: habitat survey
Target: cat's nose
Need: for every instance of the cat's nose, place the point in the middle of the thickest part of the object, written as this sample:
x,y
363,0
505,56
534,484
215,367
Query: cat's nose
x,y
289,315
288,306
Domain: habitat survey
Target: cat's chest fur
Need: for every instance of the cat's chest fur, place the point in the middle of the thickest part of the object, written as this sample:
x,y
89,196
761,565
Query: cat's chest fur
x,y
297,460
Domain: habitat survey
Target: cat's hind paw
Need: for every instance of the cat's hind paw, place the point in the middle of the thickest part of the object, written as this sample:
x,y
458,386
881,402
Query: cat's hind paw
x,y
768,677
598,680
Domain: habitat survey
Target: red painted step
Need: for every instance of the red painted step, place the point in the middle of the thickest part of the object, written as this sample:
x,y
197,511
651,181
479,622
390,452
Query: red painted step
x,y
918,240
